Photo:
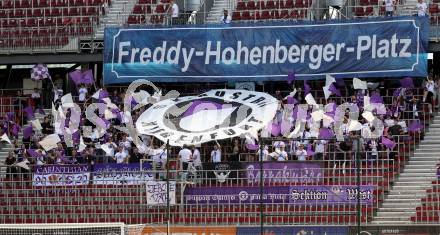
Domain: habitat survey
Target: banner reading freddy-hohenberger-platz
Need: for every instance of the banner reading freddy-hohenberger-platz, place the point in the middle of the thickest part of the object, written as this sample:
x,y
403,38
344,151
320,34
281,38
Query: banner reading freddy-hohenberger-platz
x,y
371,47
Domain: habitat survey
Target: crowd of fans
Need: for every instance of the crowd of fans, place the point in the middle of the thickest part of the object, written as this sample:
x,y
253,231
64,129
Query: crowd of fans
x,y
117,147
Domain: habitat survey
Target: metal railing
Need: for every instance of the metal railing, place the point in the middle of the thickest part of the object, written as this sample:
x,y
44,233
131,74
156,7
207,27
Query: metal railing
x,y
27,199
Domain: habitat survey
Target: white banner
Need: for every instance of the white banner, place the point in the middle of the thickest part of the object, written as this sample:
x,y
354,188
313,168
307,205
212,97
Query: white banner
x,y
157,192
249,86
214,115
60,175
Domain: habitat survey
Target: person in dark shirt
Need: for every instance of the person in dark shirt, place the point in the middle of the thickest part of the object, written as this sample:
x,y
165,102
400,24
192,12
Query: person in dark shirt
x,y
9,161
47,127
135,157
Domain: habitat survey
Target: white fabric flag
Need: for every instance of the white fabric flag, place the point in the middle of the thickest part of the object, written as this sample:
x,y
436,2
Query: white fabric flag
x,y
67,101
82,146
50,142
106,148
329,79
23,164
328,120
310,100
5,138
317,115
109,115
359,84
327,92
354,125
96,95
36,124
368,116
109,103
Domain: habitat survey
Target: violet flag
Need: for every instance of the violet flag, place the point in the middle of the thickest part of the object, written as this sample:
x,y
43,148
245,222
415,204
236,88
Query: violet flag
x,y
325,133
291,100
33,153
275,129
310,151
252,147
29,112
15,129
307,88
27,132
334,90
79,77
397,92
415,126
388,143
39,72
10,116
291,77
407,82
376,98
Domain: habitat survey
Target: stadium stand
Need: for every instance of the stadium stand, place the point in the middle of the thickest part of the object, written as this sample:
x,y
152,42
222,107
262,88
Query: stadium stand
x,y
24,202
46,23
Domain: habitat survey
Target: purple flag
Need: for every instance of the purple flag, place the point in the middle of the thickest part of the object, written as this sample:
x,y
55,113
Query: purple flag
x,y
33,153
76,137
334,90
407,82
396,92
310,151
27,132
389,143
79,77
15,129
291,77
39,72
275,129
103,94
325,133
376,98
29,112
252,146
415,126
307,88
88,77
291,100
10,116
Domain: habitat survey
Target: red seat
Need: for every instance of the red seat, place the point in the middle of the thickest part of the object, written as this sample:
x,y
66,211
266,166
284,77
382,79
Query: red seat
x,y
359,11
265,15
364,2
251,5
241,6
369,10
288,4
270,4
236,15
245,15
284,14
299,4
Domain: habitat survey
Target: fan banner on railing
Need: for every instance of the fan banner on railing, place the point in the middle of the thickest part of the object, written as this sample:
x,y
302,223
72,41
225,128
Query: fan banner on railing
x,y
213,115
121,174
157,192
371,47
297,229
61,175
284,172
299,195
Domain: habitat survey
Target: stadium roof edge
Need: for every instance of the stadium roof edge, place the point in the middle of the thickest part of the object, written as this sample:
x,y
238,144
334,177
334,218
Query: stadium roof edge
x,y
50,58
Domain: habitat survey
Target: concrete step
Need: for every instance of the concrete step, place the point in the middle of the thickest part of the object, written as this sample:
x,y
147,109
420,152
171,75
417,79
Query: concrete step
x,y
419,170
409,185
396,209
406,196
395,213
387,221
429,162
394,218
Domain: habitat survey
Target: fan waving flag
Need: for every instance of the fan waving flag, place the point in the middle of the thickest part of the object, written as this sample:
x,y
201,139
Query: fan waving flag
x,y
79,77
40,72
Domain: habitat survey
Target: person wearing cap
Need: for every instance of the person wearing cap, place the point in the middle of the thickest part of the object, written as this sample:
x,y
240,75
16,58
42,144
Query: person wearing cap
x,y
301,153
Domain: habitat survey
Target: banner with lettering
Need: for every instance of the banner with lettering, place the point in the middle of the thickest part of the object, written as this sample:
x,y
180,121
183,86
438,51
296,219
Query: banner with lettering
x,y
61,175
303,195
371,47
284,172
118,174
157,192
